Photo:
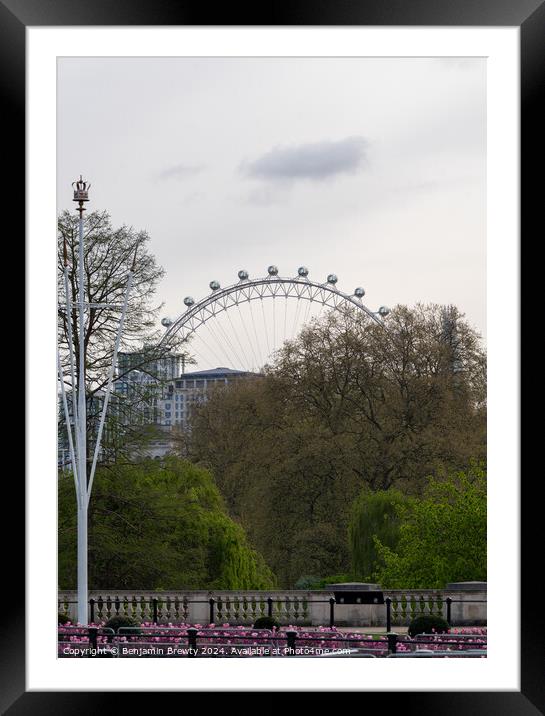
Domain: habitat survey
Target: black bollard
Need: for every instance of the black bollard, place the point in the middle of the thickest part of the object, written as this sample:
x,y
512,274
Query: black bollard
x,y
388,602
331,612
291,636
192,641
212,602
392,642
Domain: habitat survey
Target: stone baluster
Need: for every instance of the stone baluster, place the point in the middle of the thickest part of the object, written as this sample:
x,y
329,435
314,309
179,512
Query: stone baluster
x,y
176,615
142,609
64,608
108,607
220,611
429,604
245,611
412,607
439,606
253,608
395,611
305,604
295,609
287,609
160,610
403,615
236,608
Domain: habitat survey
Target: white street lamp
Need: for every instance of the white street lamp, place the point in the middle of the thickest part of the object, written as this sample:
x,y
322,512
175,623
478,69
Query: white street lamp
x,y
78,444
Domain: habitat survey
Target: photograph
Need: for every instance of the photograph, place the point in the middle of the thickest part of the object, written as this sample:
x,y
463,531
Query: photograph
x,y
272,320
272,357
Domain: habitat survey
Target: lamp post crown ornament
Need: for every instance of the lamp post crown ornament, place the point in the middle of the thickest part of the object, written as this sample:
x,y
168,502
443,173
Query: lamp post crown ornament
x,y
81,192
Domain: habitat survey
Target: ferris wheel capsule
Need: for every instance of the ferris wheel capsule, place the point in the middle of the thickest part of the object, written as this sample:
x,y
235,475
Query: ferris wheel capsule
x,y
196,313
214,285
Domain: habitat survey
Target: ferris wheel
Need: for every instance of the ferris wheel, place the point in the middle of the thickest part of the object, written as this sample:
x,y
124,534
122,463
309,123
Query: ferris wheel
x,y
232,331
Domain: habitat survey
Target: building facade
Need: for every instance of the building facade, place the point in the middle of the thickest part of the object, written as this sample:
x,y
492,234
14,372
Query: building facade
x,y
182,394
162,395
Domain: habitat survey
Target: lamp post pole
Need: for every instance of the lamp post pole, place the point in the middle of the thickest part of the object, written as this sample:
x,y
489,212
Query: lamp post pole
x,y
81,195
76,410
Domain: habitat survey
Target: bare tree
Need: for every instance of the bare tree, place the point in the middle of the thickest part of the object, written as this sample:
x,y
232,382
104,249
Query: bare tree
x,y
109,254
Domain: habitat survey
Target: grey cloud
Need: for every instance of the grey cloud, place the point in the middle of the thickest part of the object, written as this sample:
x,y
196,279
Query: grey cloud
x,y
180,171
315,162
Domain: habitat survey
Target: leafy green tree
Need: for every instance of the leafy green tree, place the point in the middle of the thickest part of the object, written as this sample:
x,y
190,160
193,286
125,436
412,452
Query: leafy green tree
x,y
442,537
282,476
394,401
159,524
347,406
374,515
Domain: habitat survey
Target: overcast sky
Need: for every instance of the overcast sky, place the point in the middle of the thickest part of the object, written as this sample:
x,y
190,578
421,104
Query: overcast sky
x,y
371,168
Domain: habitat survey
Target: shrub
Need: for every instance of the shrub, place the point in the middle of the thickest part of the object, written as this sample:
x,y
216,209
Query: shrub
x,y
307,581
266,623
427,624
311,582
63,618
121,620
333,579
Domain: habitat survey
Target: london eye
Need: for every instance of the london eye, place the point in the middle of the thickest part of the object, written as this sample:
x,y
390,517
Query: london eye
x,y
243,324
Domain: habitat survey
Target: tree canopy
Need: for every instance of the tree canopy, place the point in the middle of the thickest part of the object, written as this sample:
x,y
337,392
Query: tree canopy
x,y
442,536
374,515
159,524
345,406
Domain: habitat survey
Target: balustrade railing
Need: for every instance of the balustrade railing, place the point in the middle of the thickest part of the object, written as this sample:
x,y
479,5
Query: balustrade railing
x,y
291,607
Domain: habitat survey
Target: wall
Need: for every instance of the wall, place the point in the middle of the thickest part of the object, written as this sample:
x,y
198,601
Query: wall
x,y
291,607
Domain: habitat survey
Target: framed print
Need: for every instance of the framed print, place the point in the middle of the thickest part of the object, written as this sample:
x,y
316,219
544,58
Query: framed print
x,y
273,352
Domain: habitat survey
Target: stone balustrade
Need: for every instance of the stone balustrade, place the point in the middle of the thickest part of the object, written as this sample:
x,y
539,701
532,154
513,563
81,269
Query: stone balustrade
x,y
293,607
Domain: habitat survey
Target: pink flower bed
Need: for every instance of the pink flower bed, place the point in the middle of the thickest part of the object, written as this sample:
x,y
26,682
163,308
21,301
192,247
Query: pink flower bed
x,y
74,639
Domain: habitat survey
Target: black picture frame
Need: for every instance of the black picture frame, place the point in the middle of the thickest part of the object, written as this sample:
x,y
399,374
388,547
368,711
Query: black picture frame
x,y
529,15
